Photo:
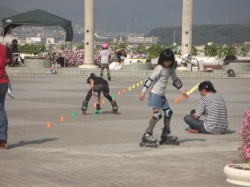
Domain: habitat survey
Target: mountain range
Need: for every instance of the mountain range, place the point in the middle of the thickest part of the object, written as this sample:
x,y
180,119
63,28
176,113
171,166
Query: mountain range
x,y
137,16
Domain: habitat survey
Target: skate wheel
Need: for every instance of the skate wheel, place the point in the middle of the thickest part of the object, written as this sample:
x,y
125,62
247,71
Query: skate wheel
x,y
141,144
177,143
160,142
156,145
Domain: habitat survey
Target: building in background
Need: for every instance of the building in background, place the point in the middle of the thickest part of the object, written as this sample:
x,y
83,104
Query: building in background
x,y
142,40
31,40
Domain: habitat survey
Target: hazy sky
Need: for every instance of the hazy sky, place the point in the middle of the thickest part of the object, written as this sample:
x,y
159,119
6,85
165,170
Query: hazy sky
x,y
140,15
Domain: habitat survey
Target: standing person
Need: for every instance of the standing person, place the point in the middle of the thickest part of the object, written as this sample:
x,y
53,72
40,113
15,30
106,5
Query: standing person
x,y
157,101
105,59
4,80
213,106
98,85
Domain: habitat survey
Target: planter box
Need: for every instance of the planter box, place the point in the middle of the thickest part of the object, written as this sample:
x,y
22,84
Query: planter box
x,y
238,176
37,62
137,66
237,65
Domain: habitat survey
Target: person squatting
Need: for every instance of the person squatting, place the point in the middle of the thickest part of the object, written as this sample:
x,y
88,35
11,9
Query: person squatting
x,y
157,101
98,85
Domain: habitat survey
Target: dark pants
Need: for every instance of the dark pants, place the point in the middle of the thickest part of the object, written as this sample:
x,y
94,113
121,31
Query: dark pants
x,y
103,66
195,124
99,89
3,116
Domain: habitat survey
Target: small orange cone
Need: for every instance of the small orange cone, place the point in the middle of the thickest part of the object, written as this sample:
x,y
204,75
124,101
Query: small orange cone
x,y
49,125
119,93
62,119
123,90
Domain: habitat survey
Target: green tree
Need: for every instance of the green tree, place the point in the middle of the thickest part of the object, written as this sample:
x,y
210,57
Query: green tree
x,y
33,48
194,51
219,50
142,49
80,46
154,51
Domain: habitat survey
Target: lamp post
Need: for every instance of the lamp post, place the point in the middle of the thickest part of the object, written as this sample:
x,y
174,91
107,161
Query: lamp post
x,y
89,34
187,21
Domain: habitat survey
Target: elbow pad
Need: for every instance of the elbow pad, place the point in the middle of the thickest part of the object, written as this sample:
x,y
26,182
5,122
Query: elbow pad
x,y
148,83
177,83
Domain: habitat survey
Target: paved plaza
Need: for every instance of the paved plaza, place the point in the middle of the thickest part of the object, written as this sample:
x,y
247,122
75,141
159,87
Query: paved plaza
x,y
103,150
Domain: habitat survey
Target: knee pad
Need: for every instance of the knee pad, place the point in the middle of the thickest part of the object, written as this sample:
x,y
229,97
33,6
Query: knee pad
x,y
157,115
168,112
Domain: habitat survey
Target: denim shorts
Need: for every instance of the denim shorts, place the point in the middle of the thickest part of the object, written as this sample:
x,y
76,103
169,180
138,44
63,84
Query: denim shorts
x,y
157,101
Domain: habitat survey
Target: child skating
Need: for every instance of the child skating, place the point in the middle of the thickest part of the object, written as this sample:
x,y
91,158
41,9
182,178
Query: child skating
x,y
105,59
98,85
157,101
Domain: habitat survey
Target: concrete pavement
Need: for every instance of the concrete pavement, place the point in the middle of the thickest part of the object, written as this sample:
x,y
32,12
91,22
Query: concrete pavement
x,y
103,150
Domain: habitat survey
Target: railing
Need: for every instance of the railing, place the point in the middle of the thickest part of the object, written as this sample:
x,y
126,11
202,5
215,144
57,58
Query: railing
x,y
187,59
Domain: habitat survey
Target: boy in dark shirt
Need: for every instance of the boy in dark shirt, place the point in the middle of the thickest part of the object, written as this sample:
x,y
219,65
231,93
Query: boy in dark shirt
x,y
98,85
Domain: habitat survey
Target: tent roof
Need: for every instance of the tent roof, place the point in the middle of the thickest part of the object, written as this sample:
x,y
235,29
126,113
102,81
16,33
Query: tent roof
x,y
38,18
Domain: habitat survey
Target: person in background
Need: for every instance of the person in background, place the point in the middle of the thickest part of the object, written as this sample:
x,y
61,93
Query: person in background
x,y
14,46
120,55
105,59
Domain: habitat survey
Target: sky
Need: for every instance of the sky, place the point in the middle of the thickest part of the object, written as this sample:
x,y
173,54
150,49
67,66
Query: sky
x,y
140,15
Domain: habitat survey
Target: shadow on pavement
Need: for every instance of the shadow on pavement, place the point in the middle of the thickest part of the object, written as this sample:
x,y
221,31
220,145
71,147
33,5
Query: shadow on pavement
x,y
191,140
23,143
110,112
230,131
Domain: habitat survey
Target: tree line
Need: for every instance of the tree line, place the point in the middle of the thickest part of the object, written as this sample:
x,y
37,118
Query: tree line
x,y
221,34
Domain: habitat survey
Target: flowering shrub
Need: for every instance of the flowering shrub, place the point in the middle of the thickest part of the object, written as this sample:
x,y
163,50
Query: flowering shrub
x,y
74,58
245,137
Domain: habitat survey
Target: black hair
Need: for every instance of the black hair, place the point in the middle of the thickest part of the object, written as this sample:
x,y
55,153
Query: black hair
x,y
167,55
90,77
14,40
208,86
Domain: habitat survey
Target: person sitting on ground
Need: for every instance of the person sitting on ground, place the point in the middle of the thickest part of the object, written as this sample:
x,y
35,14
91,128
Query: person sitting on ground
x,y
213,107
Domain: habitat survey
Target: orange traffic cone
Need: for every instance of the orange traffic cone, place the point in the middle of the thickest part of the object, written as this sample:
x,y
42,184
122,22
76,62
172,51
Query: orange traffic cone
x,y
123,90
49,125
119,93
62,119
